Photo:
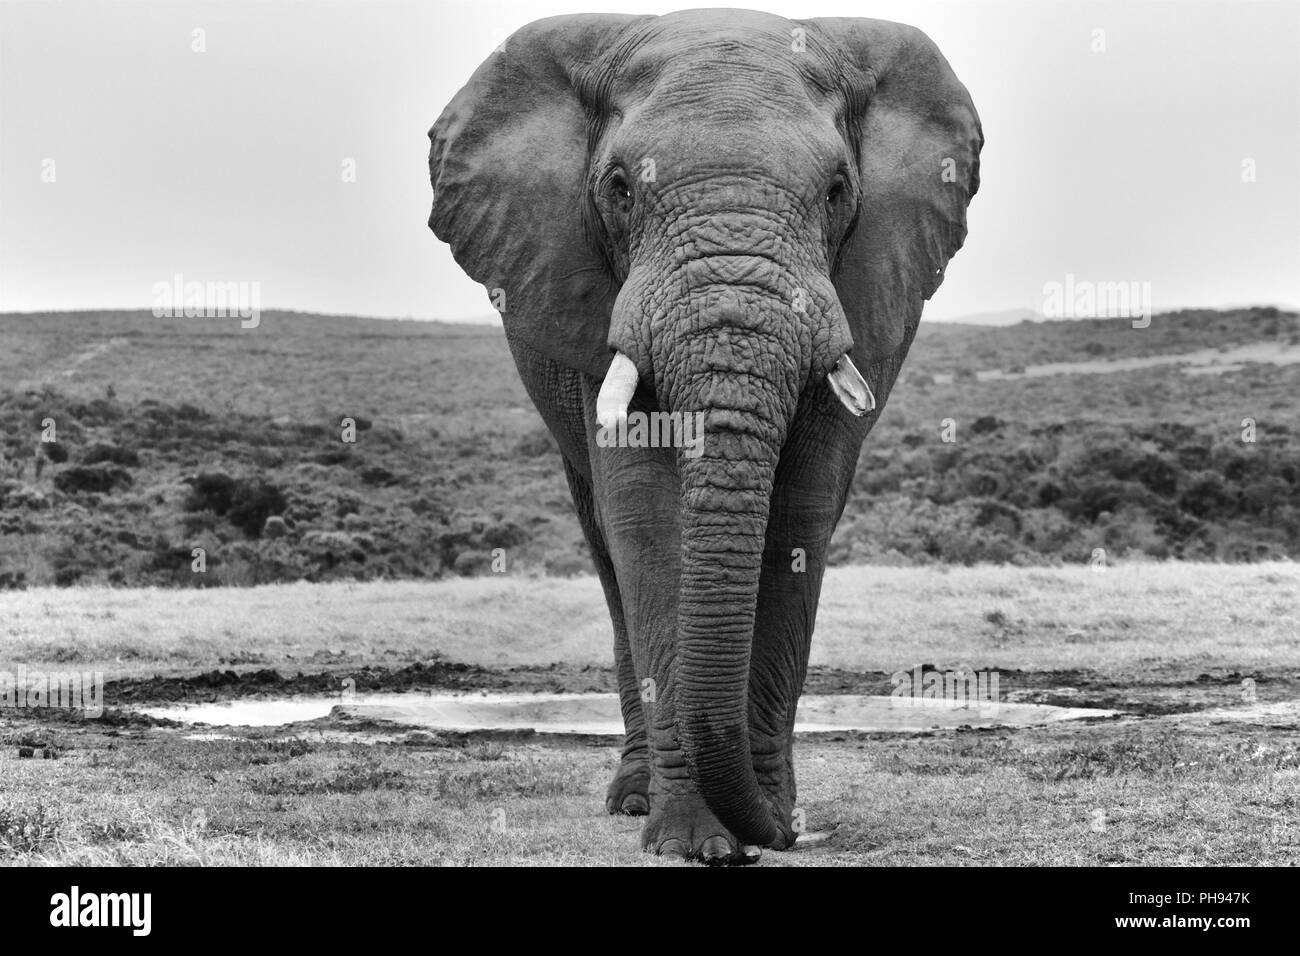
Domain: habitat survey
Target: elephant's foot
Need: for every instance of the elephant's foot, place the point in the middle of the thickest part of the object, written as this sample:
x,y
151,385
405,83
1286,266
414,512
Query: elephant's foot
x,y
681,825
629,791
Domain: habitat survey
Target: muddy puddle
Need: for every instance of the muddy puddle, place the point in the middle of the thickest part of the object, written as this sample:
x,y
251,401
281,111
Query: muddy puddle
x,y
598,714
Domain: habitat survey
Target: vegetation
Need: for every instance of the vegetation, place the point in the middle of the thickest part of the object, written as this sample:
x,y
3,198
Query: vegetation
x,y
323,448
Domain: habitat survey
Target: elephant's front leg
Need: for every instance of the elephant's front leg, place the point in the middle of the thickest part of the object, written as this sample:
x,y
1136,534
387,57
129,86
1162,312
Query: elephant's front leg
x,y
629,792
638,496
812,483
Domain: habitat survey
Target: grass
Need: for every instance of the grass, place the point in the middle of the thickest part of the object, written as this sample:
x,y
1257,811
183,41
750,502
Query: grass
x,y
1126,620
1175,789
1063,796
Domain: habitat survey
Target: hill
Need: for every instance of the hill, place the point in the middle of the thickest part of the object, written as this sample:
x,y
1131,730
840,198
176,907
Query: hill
x,y
177,434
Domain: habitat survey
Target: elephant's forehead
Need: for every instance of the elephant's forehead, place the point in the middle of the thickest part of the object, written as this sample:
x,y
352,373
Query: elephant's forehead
x,y
724,52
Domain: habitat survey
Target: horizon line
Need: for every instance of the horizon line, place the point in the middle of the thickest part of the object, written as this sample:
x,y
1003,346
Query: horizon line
x,y
490,321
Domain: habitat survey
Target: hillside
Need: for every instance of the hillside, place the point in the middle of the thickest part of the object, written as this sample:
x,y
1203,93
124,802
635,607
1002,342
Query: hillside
x,y
176,434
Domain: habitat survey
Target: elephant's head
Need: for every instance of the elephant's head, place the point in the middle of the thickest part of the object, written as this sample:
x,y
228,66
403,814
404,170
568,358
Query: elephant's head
x,y
738,211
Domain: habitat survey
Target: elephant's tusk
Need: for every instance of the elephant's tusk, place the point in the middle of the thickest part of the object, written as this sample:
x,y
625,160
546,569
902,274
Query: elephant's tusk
x,y
850,387
616,392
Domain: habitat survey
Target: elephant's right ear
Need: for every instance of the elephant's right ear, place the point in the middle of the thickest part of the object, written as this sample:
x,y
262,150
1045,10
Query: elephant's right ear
x,y
508,164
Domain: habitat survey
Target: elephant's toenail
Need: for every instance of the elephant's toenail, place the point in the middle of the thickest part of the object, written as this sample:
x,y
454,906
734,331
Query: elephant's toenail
x,y
716,850
635,805
751,854
672,848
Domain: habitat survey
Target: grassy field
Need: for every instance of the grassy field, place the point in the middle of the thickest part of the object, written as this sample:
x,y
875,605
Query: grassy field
x,y
1158,614
1198,771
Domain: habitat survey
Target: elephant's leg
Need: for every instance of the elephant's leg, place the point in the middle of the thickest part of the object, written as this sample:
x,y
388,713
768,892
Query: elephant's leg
x,y
558,393
811,486
629,791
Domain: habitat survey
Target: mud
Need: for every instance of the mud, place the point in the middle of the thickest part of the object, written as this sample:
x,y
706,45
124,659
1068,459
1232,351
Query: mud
x,y
1061,688
218,685
287,699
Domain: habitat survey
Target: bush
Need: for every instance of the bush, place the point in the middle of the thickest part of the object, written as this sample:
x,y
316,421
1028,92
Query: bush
x,y
252,501
114,454
472,563
1205,496
275,527
245,502
210,492
537,444
91,479
54,451
505,534
378,475
565,564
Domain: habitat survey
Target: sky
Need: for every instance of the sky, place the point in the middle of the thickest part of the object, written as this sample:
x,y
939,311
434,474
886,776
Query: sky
x,y
1163,150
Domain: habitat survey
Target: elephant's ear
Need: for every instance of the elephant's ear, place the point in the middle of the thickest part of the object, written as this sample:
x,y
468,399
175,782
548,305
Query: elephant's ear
x,y
508,165
918,139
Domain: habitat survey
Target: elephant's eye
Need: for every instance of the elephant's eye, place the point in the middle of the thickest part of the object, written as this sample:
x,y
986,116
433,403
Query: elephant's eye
x,y
619,189
834,193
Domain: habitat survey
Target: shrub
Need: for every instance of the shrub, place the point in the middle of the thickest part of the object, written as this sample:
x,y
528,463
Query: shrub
x,y
471,563
378,475
536,444
91,479
211,492
1205,496
114,454
565,564
252,501
506,534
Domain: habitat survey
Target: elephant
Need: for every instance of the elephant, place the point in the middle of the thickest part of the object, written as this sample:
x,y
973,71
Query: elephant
x,y
725,214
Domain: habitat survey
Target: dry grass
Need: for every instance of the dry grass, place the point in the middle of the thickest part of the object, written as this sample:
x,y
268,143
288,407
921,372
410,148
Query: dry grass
x,y
1169,790
1125,619
1066,795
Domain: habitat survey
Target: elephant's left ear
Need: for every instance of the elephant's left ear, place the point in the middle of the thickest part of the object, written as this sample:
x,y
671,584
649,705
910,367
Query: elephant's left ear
x,y
508,163
918,140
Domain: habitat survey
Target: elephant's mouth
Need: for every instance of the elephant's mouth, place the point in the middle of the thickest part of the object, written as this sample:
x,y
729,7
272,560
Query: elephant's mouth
x,y
620,384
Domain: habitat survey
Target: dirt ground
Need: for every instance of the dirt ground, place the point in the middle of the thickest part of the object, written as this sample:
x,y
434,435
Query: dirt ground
x,y
1201,765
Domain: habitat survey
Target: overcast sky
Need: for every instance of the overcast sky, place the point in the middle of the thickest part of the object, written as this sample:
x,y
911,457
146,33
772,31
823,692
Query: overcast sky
x,y
225,165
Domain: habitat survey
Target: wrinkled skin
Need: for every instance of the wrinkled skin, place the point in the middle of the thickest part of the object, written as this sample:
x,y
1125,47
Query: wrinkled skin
x,y
734,202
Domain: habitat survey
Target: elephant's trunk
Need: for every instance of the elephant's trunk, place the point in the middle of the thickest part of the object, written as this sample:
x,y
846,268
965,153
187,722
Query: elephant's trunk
x,y
747,385
725,497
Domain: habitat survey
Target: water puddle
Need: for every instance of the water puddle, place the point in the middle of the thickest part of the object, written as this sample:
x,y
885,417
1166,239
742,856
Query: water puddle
x,y
598,714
